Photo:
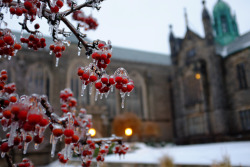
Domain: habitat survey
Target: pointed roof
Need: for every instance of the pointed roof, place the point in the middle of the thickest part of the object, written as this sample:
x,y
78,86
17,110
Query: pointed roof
x,y
220,6
205,14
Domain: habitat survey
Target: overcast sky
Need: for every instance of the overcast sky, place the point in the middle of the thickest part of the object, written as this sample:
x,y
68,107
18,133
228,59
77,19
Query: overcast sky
x,y
144,24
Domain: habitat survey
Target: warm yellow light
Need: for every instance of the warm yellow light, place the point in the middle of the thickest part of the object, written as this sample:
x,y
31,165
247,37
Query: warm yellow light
x,y
128,131
198,76
92,132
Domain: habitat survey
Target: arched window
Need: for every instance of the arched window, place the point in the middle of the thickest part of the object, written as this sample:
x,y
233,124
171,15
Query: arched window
x,y
136,103
224,24
192,88
39,80
75,84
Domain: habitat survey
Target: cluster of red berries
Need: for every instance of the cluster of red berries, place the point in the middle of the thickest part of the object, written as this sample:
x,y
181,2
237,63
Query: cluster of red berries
x,y
25,163
87,75
19,11
103,85
57,49
6,92
68,102
62,159
8,46
6,2
26,114
123,83
31,6
88,22
104,149
57,6
34,42
102,56
121,149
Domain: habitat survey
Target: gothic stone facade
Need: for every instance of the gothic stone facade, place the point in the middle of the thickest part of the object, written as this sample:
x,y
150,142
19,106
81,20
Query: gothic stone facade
x,y
211,81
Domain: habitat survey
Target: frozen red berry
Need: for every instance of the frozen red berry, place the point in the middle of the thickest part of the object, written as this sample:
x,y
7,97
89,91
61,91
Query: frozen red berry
x,y
4,147
34,119
68,132
57,132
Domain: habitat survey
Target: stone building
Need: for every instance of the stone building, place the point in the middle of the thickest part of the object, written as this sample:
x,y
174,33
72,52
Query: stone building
x,y
210,80
200,93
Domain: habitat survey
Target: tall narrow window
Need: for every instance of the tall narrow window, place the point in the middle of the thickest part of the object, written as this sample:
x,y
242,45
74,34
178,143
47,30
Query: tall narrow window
x,y
135,103
245,119
193,89
39,80
241,75
224,24
196,125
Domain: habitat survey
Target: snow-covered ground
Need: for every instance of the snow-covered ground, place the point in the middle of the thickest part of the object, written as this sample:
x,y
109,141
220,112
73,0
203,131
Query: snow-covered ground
x,y
200,154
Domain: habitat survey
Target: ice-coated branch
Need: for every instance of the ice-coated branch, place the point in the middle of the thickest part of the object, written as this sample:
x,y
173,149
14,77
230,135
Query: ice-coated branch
x,y
89,3
9,160
50,112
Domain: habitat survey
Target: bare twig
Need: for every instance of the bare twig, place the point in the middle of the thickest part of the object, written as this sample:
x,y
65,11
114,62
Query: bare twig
x,y
9,160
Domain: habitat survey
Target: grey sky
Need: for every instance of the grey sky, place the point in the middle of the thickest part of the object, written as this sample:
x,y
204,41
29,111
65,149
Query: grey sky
x,y
143,24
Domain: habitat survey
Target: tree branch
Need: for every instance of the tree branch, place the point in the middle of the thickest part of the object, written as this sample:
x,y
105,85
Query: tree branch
x,y
9,160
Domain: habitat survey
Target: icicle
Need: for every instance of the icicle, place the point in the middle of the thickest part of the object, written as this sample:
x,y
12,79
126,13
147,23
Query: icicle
x,y
40,10
53,15
26,144
54,141
51,138
3,154
106,95
83,88
90,88
41,131
112,88
21,35
79,51
128,94
123,99
57,60
101,96
50,52
66,152
9,57
96,94
36,146
13,126
88,56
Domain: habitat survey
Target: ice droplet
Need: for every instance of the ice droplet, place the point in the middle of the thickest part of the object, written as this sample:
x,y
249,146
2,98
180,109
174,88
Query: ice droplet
x,y
26,144
13,126
123,98
9,57
83,88
79,51
54,141
57,61
96,94
90,88
3,154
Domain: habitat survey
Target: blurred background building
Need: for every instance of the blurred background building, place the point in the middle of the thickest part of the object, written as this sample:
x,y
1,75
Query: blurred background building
x,y
200,93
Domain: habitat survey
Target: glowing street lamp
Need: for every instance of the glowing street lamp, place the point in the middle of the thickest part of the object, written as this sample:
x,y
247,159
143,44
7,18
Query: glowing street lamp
x,y
128,132
92,132
198,76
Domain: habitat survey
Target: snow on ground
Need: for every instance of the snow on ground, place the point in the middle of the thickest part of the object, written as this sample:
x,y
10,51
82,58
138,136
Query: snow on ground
x,y
200,154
